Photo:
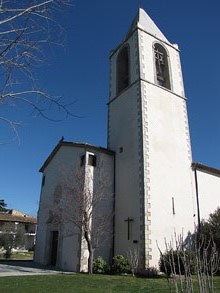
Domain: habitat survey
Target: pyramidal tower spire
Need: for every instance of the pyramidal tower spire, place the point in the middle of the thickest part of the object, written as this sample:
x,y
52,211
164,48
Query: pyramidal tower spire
x,y
144,22
148,130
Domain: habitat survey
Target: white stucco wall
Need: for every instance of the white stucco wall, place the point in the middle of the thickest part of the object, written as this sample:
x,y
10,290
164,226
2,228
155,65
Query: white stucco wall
x,y
124,139
65,159
151,124
167,150
208,193
123,134
169,168
64,165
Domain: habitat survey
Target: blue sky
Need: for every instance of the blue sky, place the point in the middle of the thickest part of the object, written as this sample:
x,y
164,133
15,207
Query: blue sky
x,y
80,74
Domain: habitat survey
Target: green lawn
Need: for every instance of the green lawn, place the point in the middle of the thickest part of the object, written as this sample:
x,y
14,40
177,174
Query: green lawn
x,y
19,255
84,283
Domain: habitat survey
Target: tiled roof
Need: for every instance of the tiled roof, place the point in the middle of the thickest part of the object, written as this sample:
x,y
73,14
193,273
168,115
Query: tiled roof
x,y
5,217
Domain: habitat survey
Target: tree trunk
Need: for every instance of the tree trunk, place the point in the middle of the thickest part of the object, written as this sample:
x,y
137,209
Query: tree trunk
x,y
90,261
91,252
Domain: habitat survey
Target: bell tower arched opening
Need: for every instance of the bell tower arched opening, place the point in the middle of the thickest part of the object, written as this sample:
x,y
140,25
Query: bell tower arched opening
x,y
161,66
123,76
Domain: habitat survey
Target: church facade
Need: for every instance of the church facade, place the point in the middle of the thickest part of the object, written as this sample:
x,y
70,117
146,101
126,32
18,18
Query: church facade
x,y
152,188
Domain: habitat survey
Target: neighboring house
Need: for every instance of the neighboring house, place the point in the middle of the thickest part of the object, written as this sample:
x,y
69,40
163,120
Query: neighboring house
x,y
147,165
18,218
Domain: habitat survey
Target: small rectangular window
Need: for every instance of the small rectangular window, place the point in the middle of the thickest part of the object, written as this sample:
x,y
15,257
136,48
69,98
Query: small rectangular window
x,y
43,180
82,160
92,160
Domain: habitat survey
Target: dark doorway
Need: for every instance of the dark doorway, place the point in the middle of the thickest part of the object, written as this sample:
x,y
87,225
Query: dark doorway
x,y
54,246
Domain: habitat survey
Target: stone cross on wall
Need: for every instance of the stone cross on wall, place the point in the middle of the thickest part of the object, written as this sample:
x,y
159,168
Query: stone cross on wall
x,y
129,220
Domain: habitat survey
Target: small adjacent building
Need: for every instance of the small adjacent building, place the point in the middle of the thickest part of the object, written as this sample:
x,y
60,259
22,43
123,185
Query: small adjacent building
x,y
18,219
207,189
70,170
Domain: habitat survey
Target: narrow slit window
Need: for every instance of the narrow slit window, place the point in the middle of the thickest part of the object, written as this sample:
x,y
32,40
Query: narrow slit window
x,y
57,194
43,180
173,206
82,160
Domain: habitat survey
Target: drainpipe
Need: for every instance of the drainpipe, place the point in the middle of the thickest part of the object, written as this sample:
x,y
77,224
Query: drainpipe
x,y
114,189
197,199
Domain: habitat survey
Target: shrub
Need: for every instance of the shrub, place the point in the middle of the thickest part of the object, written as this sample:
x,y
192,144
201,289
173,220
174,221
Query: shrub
x,y
32,248
177,262
100,266
151,272
8,253
120,265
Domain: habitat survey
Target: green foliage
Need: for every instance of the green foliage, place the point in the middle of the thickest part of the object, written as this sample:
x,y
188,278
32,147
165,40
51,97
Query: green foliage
x,y
3,206
89,283
151,272
173,262
32,248
100,266
120,265
211,228
206,240
12,236
19,256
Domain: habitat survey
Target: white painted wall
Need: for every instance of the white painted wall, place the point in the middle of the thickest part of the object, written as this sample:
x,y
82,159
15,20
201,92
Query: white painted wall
x,y
150,123
62,163
65,162
167,149
209,193
124,132
169,168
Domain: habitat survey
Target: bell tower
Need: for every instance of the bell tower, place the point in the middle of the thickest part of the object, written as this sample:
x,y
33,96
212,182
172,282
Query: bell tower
x,y
148,130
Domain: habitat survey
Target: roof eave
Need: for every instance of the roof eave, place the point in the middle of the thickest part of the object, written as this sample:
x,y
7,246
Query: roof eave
x,y
73,144
205,168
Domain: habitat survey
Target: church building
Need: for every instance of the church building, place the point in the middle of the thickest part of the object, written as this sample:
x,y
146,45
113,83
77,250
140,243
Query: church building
x,y
151,187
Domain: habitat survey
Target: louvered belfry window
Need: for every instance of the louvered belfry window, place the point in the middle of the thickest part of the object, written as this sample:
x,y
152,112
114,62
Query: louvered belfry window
x,y
161,66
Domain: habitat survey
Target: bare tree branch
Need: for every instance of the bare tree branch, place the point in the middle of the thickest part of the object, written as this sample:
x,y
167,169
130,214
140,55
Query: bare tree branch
x,y
27,29
82,208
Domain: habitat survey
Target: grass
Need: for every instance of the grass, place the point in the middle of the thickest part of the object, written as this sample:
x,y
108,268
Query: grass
x,y
19,256
81,283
